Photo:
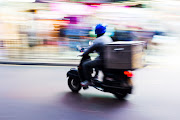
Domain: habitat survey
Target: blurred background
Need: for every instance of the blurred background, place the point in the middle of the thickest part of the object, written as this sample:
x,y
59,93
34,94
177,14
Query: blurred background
x,y
56,30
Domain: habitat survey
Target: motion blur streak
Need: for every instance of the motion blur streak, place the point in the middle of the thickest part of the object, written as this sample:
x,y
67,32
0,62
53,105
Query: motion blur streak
x,y
57,30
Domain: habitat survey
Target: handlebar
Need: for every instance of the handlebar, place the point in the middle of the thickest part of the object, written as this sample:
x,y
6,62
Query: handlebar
x,y
80,55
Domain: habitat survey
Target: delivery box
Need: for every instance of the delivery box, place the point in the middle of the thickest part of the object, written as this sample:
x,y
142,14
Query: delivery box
x,y
124,55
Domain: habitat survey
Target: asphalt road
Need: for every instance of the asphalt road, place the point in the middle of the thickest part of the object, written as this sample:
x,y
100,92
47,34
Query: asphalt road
x,y
41,93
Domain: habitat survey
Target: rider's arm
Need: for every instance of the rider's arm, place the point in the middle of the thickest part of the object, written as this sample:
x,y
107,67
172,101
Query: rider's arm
x,y
90,49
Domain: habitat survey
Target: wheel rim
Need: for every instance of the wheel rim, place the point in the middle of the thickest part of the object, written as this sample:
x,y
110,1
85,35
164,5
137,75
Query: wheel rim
x,y
74,84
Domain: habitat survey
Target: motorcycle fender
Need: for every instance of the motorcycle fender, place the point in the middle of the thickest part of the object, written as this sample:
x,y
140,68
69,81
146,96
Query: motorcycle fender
x,y
73,73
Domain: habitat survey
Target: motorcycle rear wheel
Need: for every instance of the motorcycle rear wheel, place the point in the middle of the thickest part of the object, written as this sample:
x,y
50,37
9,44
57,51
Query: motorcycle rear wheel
x,y
74,84
120,96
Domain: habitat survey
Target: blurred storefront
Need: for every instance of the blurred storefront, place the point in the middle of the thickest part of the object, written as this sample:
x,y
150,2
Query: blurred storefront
x,y
57,29
19,26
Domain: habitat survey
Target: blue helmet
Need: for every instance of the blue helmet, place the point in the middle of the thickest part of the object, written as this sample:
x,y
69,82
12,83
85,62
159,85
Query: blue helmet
x,y
100,29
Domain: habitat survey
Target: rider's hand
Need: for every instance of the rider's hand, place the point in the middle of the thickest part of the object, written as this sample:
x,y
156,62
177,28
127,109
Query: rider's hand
x,y
80,54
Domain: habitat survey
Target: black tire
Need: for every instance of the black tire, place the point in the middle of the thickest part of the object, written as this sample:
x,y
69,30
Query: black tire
x,y
120,96
74,84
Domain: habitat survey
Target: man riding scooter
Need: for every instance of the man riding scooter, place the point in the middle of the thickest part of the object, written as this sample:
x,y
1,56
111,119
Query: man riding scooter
x,y
97,46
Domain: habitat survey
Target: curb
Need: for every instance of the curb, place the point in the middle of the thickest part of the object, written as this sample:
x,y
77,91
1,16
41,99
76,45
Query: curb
x,y
41,64
48,64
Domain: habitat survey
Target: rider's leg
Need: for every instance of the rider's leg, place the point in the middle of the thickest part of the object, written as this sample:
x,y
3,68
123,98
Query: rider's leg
x,y
87,67
96,73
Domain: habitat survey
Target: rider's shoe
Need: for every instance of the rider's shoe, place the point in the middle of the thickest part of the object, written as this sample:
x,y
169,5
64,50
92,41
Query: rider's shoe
x,y
85,84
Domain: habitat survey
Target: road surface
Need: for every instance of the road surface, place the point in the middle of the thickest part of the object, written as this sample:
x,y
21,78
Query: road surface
x,y
41,93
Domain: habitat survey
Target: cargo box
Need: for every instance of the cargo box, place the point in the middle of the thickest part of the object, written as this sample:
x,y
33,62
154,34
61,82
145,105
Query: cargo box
x,y
124,55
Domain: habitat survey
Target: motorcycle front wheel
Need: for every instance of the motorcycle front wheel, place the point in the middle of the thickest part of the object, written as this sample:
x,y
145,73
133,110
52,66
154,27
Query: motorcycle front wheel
x,y
74,84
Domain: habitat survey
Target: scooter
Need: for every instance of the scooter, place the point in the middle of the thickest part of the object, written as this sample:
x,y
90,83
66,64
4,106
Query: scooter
x,y
115,81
